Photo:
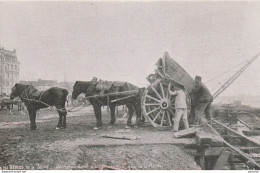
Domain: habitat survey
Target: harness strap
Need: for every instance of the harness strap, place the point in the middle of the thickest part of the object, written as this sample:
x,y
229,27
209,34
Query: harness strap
x,y
41,95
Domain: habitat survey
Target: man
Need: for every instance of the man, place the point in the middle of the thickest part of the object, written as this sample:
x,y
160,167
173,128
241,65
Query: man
x,y
202,100
180,108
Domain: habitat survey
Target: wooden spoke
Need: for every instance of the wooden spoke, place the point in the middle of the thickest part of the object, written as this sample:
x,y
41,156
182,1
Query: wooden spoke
x,y
153,111
169,118
154,90
162,118
153,98
171,112
157,115
152,104
162,90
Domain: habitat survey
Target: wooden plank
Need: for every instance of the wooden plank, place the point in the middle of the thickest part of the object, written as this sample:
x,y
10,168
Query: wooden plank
x,y
251,133
185,132
254,155
189,131
237,133
250,149
245,124
222,160
206,137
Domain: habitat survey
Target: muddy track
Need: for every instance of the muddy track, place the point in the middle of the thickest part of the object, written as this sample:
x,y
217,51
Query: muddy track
x,y
81,147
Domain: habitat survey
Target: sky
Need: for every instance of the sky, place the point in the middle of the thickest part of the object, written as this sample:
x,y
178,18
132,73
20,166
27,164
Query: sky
x,y
123,40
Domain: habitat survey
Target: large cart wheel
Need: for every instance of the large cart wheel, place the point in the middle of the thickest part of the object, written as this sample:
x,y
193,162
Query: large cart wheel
x,y
158,104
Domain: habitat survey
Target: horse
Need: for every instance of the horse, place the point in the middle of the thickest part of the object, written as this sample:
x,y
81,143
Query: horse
x,y
132,103
35,100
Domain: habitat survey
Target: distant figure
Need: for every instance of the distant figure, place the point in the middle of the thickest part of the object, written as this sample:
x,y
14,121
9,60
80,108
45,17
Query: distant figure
x,y
202,101
180,108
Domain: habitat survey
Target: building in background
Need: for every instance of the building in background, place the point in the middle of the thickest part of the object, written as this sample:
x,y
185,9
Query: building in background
x,y
9,70
41,84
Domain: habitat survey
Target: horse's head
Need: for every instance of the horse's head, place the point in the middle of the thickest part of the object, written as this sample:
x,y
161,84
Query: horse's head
x,y
17,90
78,88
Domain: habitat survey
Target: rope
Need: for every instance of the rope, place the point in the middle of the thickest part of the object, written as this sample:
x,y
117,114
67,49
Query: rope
x,y
225,72
62,109
39,101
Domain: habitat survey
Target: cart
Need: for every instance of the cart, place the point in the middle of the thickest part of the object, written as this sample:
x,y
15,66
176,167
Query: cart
x,y
156,102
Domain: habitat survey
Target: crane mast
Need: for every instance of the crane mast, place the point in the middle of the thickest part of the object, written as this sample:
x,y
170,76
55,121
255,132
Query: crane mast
x,y
235,76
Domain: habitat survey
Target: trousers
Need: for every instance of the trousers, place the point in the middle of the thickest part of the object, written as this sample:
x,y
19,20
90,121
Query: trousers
x,y
181,113
200,109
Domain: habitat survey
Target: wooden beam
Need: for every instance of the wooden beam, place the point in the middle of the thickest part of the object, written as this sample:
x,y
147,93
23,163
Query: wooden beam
x,y
251,133
222,160
124,93
237,133
245,124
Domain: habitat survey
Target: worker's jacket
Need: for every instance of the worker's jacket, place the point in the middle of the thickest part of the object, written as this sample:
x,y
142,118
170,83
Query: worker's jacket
x,y
201,93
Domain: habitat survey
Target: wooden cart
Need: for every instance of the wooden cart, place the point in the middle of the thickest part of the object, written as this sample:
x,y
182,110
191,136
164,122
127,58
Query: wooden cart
x,y
157,105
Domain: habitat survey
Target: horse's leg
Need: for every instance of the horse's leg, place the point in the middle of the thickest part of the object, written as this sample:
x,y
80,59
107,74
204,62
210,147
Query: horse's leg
x,y
130,111
32,116
97,110
112,112
60,121
62,124
138,113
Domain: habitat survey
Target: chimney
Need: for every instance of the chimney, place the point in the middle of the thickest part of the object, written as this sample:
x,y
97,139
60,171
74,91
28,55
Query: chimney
x,y
14,50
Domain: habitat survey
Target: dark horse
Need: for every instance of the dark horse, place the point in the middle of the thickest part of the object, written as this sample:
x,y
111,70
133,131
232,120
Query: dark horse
x,y
35,100
132,103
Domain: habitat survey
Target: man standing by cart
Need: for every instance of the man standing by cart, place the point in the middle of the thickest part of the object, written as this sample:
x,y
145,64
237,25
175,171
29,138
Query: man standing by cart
x,y
203,100
180,107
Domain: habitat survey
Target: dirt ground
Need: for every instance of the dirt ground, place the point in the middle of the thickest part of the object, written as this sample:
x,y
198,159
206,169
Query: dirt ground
x,y
81,147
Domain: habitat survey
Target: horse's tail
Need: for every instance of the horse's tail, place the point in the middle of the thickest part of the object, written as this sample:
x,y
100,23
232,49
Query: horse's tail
x,y
66,93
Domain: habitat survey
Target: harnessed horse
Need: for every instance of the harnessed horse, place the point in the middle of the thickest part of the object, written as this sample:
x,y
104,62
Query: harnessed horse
x,y
133,103
35,100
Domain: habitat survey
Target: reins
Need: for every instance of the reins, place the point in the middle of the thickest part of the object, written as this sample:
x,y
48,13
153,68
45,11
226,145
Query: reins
x,y
39,101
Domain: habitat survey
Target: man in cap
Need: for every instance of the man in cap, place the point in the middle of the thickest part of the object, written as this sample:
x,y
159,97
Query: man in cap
x,y
203,100
180,107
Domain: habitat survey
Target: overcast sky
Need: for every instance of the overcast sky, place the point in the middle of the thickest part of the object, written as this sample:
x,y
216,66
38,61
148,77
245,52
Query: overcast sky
x,y
123,40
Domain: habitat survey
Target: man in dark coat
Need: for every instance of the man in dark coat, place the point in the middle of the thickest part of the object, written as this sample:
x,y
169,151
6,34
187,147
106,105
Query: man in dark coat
x,y
202,100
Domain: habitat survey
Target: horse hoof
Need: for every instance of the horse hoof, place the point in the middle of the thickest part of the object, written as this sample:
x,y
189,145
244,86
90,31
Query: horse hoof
x,y
112,122
33,127
96,128
57,128
127,127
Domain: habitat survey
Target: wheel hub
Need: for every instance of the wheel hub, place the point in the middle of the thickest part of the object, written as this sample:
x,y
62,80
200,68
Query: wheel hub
x,y
165,103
